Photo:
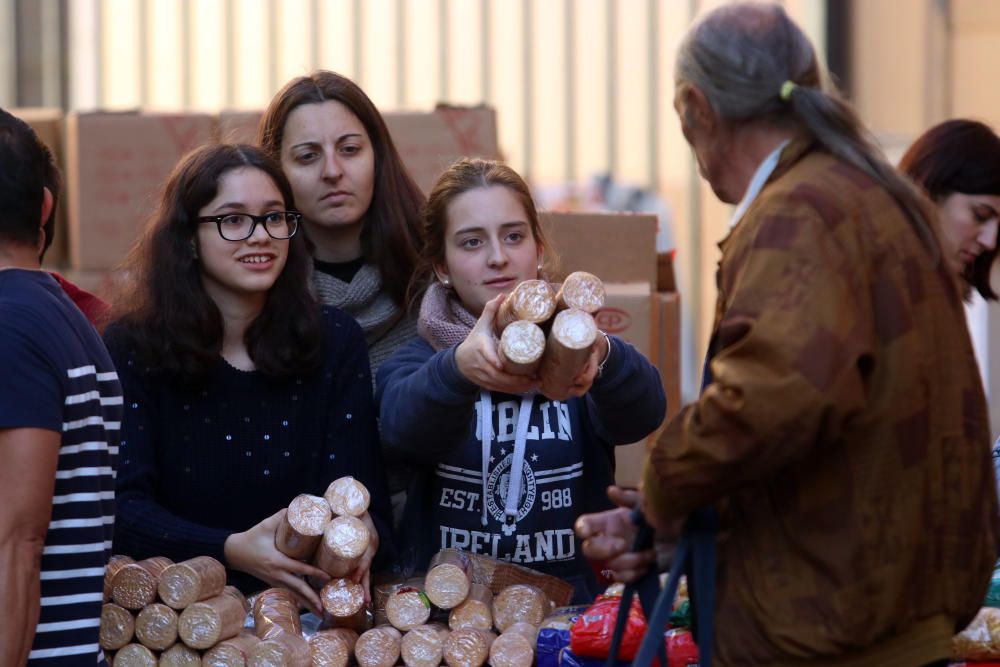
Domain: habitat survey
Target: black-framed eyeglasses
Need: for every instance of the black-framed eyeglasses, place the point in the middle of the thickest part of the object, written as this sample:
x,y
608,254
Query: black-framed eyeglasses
x,y
279,225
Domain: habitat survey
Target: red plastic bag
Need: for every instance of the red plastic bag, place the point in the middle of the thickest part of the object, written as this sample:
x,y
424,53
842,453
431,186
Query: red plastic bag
x,y
590,636
682,651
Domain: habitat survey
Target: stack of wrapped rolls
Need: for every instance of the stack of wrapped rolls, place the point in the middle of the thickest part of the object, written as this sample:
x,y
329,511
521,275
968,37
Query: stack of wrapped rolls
x,y
161,613
534,307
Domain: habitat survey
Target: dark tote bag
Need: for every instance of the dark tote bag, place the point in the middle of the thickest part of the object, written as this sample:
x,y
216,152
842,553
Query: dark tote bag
x,y
695,556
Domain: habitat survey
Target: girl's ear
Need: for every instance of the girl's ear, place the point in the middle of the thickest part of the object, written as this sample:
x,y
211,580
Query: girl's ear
x,y
441,271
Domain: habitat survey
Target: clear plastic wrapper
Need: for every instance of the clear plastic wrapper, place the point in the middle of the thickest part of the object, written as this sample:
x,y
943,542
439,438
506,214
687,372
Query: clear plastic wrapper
x,y
520,602
581,290
156,626
207,622
281,649
116,563
476,611
135,655
275,610
347,497
300,531
180,655
117,627
448,579
333,648
980,640
378,647
531,300
468,647
342,598
134,585
187,582
521,347
232,652
407,607
344,543
512,649
424,646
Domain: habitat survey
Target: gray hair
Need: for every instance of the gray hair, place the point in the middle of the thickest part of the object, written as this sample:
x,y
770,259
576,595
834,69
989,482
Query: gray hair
x,y
740,56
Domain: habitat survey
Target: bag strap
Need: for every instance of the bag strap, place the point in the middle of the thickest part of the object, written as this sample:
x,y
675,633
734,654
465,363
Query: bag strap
x,y
696,555
647,587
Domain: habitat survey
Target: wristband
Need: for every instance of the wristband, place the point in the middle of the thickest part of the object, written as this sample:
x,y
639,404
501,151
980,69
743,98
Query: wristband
x,y
600,366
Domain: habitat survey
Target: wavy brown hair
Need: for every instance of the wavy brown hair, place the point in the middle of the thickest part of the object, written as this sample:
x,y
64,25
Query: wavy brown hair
x,y
463,175
164,313
389,236
959,156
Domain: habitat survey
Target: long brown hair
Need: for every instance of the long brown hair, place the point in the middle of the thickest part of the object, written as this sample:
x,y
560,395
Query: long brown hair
x,y
164,313
959,156
389,237
463,175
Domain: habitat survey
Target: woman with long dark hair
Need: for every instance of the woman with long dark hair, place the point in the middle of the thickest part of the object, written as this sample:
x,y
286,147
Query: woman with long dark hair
x,y
241,391
957,163
360,208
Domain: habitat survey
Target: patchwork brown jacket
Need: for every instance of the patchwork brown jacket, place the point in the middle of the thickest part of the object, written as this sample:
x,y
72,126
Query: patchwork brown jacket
x,y
845,437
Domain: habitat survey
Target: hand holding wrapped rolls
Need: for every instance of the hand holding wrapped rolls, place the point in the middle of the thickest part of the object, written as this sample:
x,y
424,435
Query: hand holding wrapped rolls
x,y
254,552
479,360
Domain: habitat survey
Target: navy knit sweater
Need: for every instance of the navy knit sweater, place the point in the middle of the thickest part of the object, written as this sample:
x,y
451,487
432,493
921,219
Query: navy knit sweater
x,y
198,465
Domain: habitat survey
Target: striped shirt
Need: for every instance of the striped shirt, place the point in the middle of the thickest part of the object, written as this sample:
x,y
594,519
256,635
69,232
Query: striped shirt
x,y
57,375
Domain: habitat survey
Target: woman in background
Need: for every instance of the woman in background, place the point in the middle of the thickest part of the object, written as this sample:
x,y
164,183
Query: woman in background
x,y
241,392
360,208
957,163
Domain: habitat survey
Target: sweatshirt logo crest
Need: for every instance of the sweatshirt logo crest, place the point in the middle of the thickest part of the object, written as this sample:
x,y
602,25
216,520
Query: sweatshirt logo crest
x,y
499,482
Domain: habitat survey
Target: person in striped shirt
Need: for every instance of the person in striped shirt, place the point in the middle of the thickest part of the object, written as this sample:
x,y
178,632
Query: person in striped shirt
x,y
60,412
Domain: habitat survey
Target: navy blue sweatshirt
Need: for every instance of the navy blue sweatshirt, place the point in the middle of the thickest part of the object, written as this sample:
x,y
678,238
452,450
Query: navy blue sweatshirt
x,y
197,465
431,414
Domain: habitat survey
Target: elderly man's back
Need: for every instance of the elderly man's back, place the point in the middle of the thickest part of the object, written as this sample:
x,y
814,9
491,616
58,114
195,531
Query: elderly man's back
x,y
860,529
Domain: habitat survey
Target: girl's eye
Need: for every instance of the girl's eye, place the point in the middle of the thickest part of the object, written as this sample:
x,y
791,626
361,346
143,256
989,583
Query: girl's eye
x,y
308,156
350,149
471,243
515,237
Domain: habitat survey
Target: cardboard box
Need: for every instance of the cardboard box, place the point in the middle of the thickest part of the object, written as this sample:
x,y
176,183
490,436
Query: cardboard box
x,y
430,142
651,323
616,247
48,125
628,313
668,342
116,165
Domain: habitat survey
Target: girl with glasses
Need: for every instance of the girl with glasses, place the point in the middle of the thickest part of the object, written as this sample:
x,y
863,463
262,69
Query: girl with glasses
x,y
241,391
359,207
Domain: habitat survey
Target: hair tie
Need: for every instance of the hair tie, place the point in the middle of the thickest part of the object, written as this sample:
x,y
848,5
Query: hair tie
x,y
786,90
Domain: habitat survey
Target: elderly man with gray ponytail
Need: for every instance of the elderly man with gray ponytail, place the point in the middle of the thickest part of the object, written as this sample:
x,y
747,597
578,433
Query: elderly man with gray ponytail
x,y
842,432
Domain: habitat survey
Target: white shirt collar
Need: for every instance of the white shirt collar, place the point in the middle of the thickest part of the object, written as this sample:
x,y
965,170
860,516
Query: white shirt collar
x,y
764,171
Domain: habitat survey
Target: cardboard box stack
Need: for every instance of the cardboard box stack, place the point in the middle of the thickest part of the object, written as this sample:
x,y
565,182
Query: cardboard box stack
x,y
620,249
116,164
